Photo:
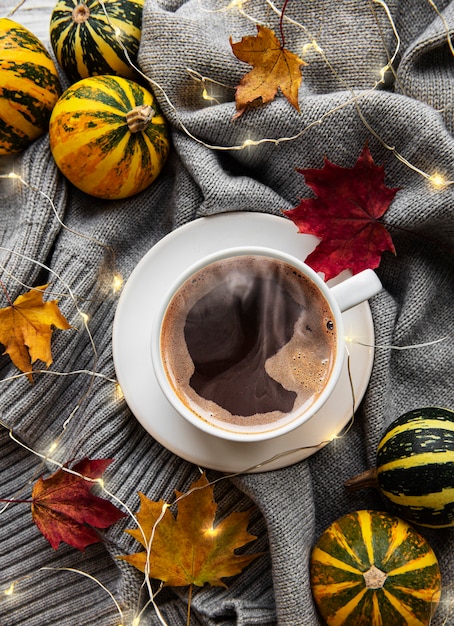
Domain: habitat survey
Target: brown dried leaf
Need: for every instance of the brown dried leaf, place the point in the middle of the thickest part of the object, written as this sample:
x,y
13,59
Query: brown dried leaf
x,y
274,68
26,329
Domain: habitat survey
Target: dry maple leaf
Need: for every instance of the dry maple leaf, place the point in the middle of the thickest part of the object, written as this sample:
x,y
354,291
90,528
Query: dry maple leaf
x,y
189,549
26,329
274,67
64,509
345,215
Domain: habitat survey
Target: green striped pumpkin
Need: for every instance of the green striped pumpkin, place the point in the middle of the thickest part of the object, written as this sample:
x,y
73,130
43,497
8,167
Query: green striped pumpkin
x,y
29,87
108,136
369,568
415,466
85,37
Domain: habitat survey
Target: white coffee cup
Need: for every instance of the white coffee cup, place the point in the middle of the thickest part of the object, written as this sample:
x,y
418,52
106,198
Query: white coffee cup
x,y
303,369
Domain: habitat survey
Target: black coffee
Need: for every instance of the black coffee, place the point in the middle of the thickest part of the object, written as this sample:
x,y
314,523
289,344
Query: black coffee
x,y
248,340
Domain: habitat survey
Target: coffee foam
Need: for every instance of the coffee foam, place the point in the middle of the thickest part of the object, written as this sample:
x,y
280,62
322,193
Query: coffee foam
x,y
302,365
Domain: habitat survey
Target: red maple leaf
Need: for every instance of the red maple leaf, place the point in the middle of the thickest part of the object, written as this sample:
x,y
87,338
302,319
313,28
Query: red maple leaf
x,y
345,215
64,509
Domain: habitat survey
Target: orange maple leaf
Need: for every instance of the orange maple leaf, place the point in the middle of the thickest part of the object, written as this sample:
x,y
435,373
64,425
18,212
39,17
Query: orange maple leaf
x,y
26,329
274,67
189,549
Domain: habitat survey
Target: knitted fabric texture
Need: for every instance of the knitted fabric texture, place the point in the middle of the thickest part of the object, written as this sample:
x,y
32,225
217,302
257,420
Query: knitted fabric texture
x,y
410,114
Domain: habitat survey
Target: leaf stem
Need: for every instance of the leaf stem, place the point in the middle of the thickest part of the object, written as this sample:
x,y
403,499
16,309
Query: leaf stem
x,y
188,619
16,501
6,293
281,24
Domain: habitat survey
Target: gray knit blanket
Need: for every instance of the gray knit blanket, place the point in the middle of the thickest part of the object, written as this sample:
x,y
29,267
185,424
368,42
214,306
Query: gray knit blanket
x,y
52,233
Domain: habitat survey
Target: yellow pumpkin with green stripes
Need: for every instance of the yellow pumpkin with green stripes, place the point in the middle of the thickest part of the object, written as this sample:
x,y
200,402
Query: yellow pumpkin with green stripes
x,y
29,87
415,466
370,568
91,38
108,136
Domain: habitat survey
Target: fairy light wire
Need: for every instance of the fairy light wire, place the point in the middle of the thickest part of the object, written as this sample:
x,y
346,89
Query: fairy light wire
x,y
424,344
148,541
100,482
93,579
355,98
445,25
233,4
435,178
82,316
117,283
14,176
11,589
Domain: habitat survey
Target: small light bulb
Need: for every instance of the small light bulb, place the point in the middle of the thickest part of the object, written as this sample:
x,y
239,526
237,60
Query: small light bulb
x,y
117,283
119,395
10,590
437,181
52,447
383,72
313,45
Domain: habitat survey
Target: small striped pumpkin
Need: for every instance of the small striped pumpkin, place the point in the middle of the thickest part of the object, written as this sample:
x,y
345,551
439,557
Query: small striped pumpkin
x,y
29,87
415,466
369,568
89,37
108,136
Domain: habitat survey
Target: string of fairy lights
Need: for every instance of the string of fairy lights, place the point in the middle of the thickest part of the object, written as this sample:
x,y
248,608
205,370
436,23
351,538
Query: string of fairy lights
x,y
438,180
435,178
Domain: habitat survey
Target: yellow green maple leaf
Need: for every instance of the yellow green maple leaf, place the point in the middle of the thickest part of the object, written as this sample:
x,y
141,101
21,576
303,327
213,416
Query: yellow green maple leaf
x,y
26,329
189,549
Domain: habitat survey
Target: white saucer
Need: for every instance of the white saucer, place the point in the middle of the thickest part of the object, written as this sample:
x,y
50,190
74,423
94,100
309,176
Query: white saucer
x,y
132,358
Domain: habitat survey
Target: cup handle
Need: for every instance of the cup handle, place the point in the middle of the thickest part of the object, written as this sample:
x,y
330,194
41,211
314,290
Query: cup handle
x,y
356,289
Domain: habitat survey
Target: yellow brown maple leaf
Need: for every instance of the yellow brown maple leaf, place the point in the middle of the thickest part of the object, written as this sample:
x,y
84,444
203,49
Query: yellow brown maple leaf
x,y
274,68
26,329
189,549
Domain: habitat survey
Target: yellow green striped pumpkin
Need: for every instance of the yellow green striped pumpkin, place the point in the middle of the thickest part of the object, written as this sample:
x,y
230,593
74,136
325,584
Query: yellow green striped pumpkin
x,y
29,87
369,568
90,37
415,466
108,136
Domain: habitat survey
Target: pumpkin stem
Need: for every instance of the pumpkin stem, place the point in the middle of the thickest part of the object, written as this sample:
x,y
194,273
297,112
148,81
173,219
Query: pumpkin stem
x,y
374,578
80,13
365,479
139,117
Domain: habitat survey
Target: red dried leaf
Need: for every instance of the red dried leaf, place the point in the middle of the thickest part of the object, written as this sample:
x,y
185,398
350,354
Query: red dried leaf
x,y
64,509
345,215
